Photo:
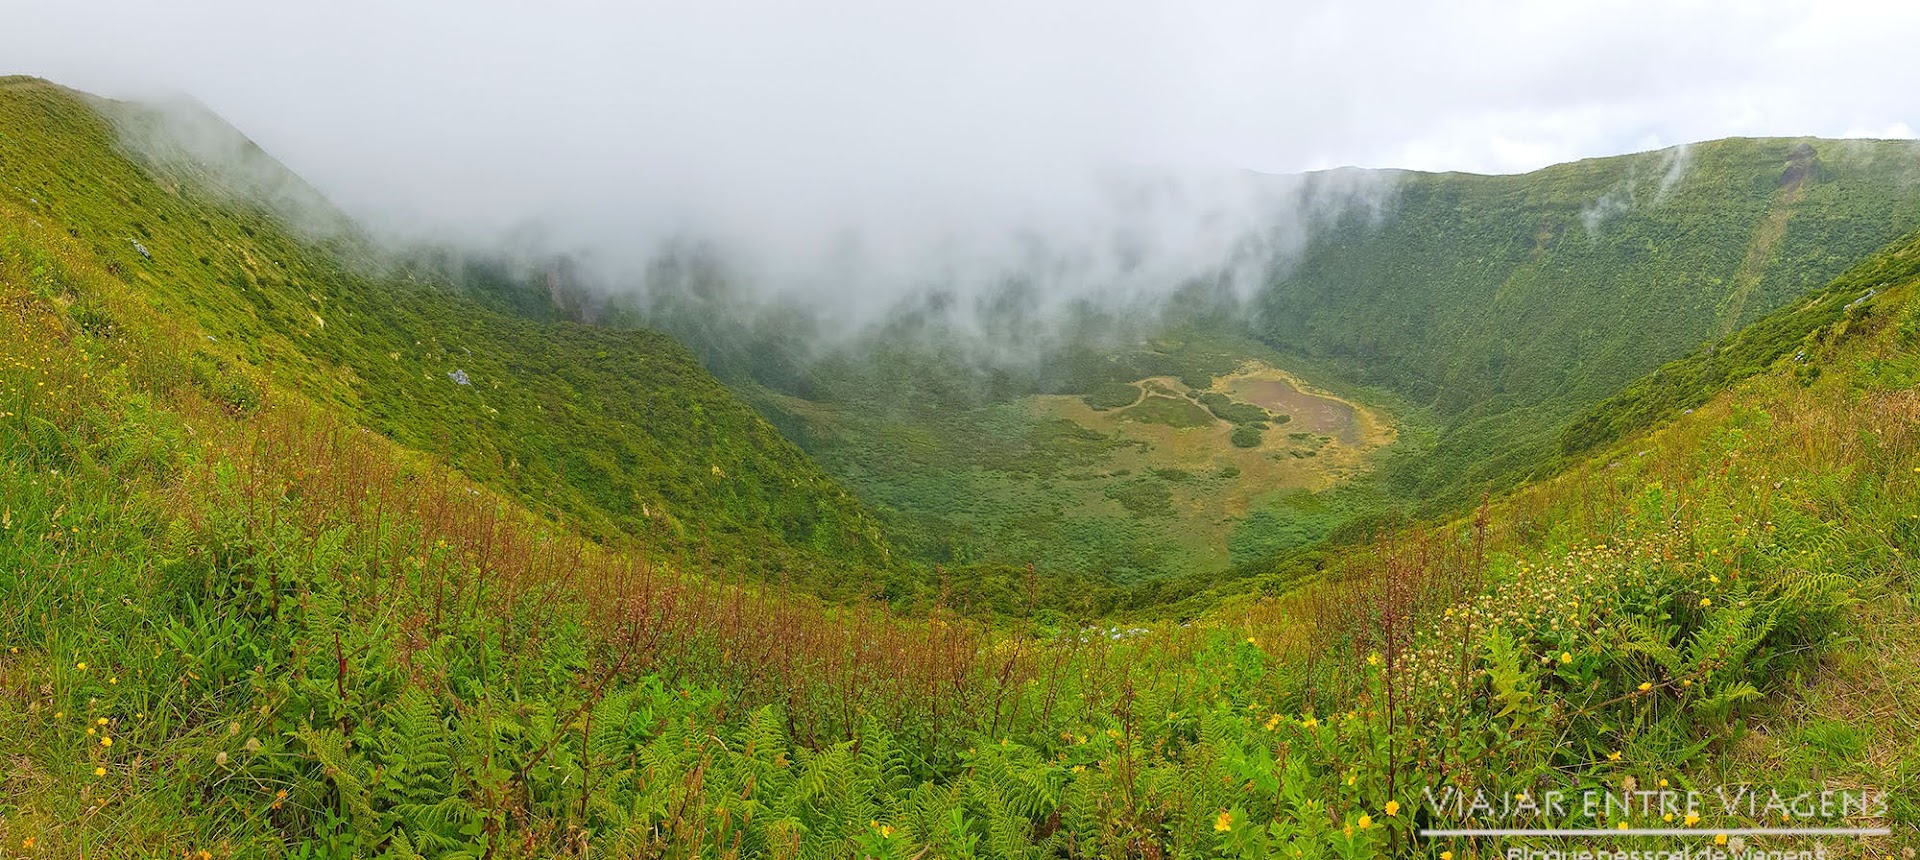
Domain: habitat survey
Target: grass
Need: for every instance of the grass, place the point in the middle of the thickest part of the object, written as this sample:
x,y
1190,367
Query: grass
x,y
1509,305
235,623
1502,315
1854,724
1176,412
1077,490
620,432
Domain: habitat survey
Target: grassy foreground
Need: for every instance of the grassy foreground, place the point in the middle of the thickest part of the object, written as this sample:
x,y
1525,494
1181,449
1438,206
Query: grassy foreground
x,y
270,632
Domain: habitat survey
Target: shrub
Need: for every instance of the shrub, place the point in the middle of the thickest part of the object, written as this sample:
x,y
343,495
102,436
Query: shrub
x,y
1111,395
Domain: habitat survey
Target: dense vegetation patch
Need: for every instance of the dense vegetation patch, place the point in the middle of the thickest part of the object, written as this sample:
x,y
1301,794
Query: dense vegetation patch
x,y
234,623
1111,395
1227,409
272,634
620,431
1509,305
1486,312
1798,328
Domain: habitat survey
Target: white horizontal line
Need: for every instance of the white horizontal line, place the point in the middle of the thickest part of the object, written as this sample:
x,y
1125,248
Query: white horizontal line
x,y
1668,831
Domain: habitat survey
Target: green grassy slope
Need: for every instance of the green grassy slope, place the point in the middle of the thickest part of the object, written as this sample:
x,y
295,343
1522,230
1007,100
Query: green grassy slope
x,y
1508,304
619,431
233,630
271,635
1688,381
969,469
1484,313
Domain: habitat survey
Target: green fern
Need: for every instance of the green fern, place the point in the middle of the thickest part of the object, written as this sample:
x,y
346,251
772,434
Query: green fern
x,y
347,773
1652,639
415,751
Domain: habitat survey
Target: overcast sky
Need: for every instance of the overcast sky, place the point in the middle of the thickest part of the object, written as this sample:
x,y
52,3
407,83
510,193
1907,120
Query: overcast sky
x,y
641,117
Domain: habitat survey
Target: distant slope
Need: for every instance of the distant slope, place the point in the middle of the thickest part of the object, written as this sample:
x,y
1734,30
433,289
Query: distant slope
x,y
230,631
620,431
1508,304
1489,312
1689,381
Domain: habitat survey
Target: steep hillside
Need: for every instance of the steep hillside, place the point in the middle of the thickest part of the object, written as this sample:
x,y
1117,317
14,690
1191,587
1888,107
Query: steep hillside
x,y
617,431
271,634
233,623
1508,304
1478,316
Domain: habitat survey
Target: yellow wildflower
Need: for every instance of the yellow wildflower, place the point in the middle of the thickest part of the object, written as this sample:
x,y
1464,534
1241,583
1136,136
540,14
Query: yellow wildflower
x,y
106,742
1223,822
1365,821
1645,686
1393,807
1706,601
1446,855
1693,818
99,771
1720,839
1566,657
1613,756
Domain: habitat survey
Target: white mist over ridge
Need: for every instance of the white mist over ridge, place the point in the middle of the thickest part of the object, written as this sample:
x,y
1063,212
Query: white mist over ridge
x,y
852,156
944,252
1126,240
1629,192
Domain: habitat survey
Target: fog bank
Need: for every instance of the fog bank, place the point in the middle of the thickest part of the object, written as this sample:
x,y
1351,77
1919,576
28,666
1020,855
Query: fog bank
x,y
857,153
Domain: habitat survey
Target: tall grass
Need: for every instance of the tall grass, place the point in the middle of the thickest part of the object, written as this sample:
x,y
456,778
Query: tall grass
x,y
237,623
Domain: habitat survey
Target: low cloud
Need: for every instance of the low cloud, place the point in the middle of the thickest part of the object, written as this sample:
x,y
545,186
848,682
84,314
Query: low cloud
x,y
864,155
1648,182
